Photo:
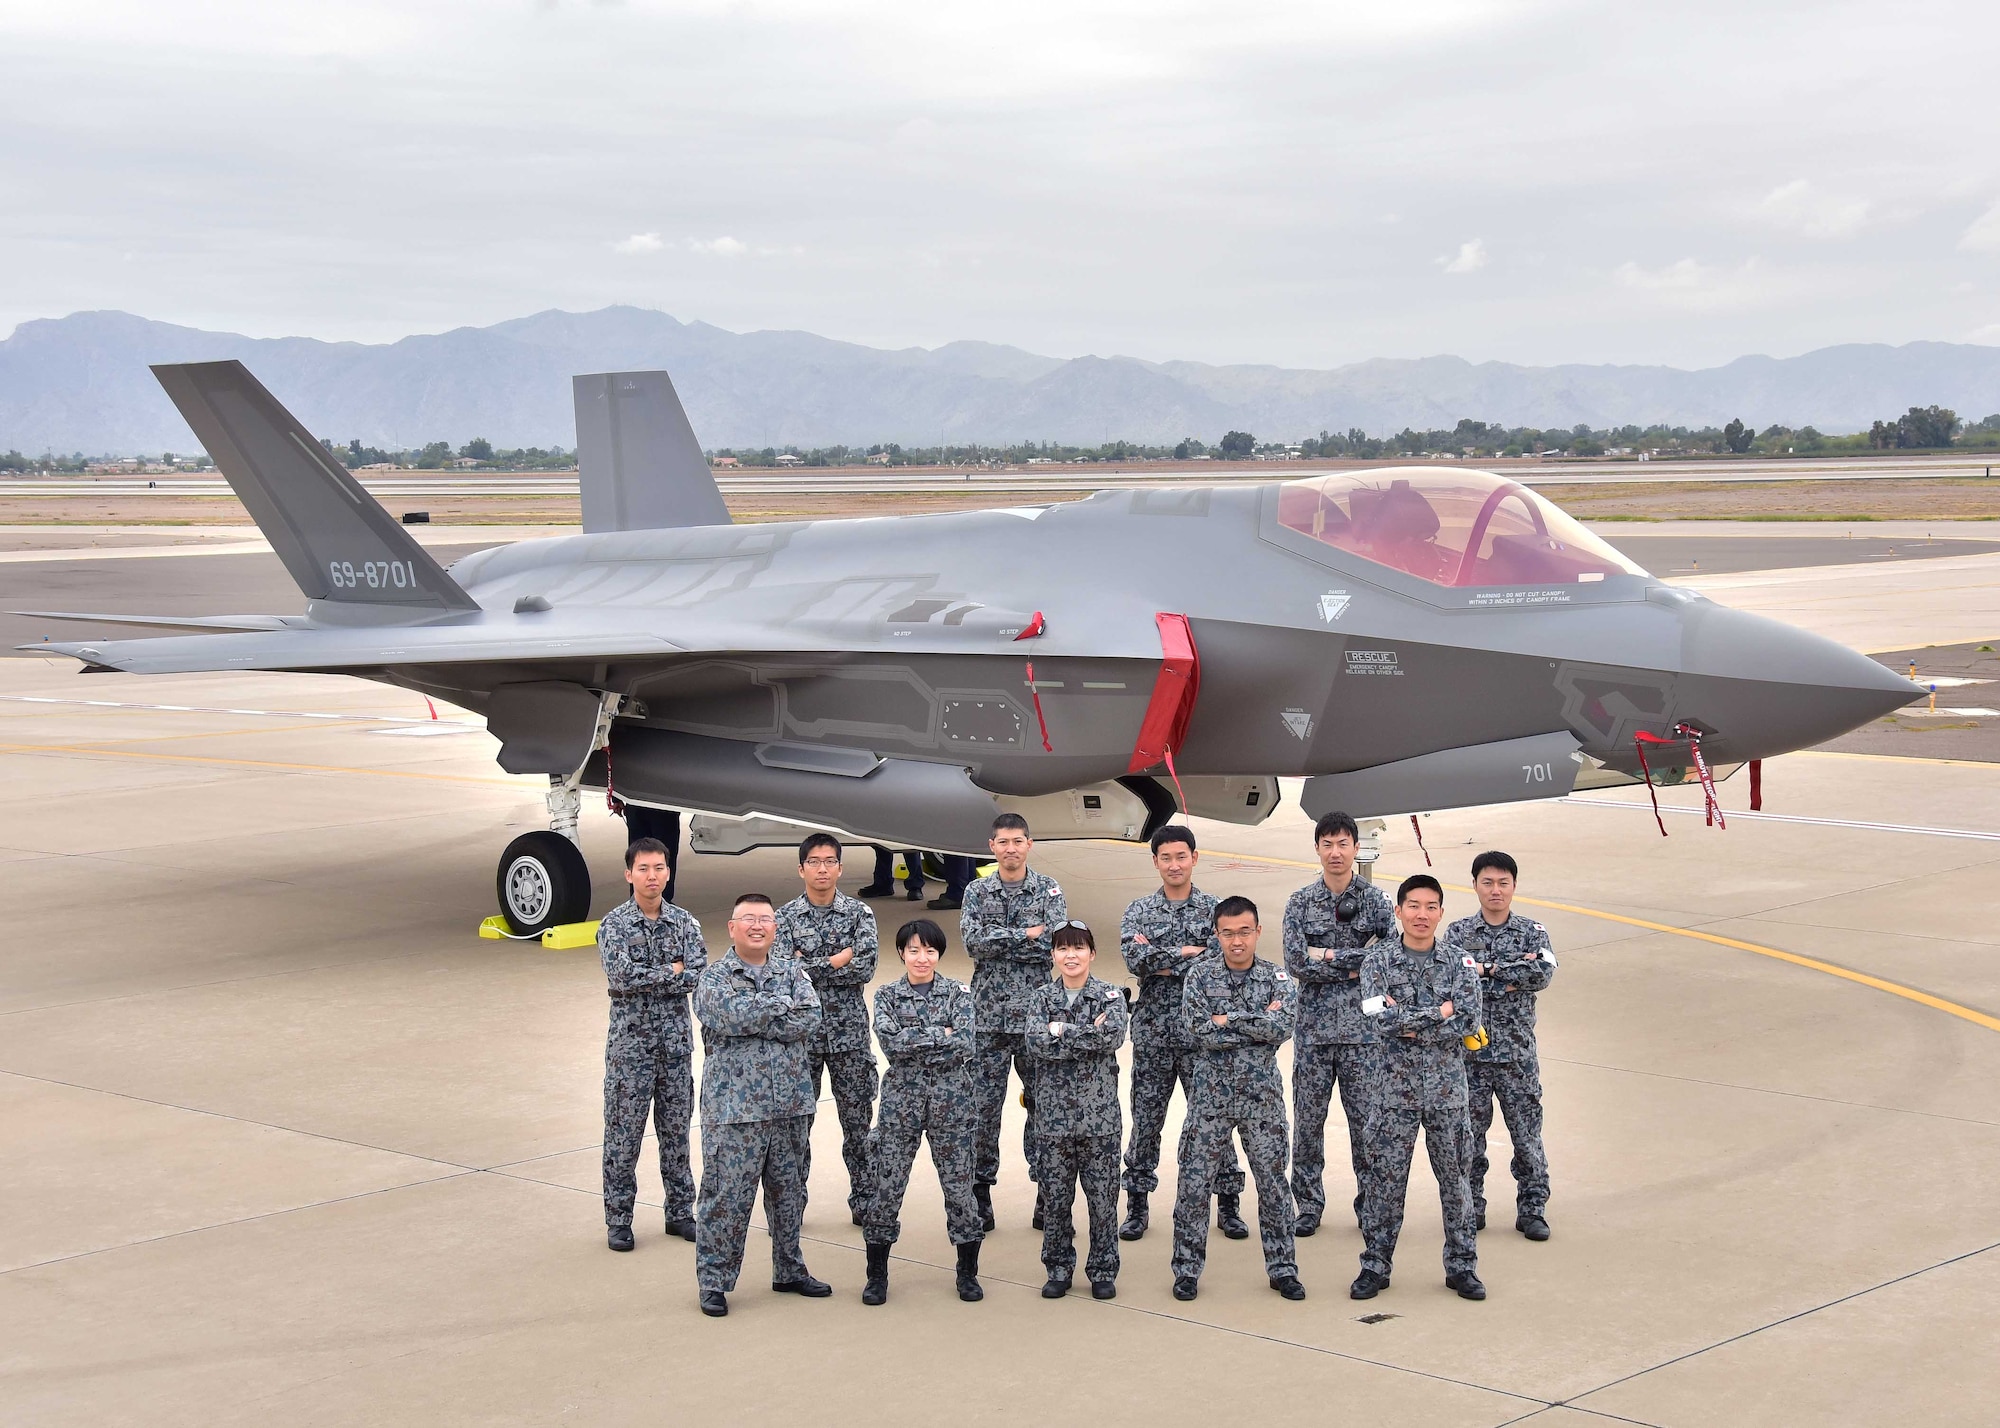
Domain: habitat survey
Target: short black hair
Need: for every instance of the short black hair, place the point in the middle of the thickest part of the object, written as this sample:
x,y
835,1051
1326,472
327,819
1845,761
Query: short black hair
x,y
751,898
644,845
1417,882
1173,833
922,930
1011,820
1335,823
1074,934
1235,907
818,840
1495,859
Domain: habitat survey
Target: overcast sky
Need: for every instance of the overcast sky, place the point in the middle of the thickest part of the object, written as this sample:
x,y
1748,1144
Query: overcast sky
x,y
1306,184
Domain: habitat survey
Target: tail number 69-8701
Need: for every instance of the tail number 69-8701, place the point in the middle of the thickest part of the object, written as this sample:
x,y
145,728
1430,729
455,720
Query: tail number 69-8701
x,y
372,574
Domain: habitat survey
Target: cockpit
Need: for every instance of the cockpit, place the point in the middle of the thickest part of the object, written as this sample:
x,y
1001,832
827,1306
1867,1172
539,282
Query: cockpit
x,y
1449,527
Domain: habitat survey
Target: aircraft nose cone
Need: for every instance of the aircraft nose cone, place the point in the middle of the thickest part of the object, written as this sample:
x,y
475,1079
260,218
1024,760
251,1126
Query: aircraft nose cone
x,y
1764,687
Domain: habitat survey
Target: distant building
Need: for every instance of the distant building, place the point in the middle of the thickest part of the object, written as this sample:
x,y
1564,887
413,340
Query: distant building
x,y
787,459
880,458
723,461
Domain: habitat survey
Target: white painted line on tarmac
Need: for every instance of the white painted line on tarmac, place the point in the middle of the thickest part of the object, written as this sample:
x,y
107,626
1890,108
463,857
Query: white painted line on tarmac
x,y
1976,833
254,713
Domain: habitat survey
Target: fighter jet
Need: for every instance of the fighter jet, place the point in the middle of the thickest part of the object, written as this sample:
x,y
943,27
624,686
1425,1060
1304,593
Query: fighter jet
x,y
1404,639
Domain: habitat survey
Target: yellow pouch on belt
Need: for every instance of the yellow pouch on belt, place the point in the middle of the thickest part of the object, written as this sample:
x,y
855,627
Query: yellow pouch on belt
x,y
1478,1041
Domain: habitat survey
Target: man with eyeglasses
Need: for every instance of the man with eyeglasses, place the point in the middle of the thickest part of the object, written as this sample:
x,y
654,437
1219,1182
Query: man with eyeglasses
x,y
757,1014
1006,928
833,937
1329,924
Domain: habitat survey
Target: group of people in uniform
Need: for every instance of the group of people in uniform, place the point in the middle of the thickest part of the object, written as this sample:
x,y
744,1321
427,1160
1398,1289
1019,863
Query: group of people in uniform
x,y
1420,1026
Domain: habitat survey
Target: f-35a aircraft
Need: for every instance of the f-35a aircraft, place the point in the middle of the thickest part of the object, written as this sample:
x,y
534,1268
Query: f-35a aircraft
x,y
1406,639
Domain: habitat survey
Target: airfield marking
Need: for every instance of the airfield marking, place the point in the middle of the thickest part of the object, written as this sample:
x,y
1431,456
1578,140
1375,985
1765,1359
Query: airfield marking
x,y
1846,974
1893,758
1576,802
86,751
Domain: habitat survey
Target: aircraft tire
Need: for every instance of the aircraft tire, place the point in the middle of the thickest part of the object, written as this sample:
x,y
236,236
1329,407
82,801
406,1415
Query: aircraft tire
x,y
542,882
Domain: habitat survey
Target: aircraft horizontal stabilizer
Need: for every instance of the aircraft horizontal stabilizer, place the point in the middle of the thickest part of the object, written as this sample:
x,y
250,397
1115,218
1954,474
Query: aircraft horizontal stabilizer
x,y
171,622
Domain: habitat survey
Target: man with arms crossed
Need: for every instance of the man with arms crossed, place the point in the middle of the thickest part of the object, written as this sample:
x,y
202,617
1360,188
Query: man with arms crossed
x,y
1005,927
1161,935
833,938
1423,997
1328,925
1515,962
653,957
756,1106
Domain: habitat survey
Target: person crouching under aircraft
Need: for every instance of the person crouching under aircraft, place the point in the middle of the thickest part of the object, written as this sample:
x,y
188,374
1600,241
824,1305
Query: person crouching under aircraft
x,y
923,1023
1075,1026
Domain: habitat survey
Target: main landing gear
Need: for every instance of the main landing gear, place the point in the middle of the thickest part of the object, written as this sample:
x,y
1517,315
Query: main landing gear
x,y
543,880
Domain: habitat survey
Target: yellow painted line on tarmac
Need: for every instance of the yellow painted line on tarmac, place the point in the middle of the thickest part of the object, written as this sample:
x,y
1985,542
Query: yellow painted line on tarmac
x,y
1846,974
77,750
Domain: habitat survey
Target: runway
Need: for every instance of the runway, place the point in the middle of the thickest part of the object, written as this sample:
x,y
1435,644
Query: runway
x,y
284,1141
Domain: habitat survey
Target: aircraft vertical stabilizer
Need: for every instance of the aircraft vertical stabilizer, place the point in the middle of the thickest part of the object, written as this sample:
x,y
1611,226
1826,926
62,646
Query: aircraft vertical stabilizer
x,y
637,458
336,540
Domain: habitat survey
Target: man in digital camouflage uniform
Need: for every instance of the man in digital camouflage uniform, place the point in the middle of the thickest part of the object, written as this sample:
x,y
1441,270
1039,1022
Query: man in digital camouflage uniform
x,y
1328,926
757,1015
653,956
1161,935
1076,1024
1240,1010
1422,996
833,937
1515,962
1005,927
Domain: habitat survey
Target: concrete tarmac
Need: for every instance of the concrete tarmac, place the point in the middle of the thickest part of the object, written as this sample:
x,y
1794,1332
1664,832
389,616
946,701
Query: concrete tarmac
x,y
284,1141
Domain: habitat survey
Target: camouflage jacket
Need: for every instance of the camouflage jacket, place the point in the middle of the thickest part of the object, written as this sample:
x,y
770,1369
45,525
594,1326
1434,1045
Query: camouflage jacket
x,y
1076,1071
756,1039
912,1025
1151,935
1008,965
1330,999
1237,1071
813,934
639,957
1523,963
1421,1060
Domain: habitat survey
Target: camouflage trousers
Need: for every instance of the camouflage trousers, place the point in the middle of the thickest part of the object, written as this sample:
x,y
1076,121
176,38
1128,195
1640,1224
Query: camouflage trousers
x,y
735,1160
1315,1072
641,1075
1093,1160
853,1077
919,1104
991,1053
1204,1143
1392,1144
1517,1086
1155,1070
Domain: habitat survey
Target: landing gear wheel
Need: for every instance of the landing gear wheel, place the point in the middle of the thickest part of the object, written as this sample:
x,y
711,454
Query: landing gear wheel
x,y
543,881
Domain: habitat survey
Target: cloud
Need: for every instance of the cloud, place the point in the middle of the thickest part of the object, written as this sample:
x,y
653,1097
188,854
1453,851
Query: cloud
x,y
723,247
639,243
1689,285
1800,208
1684,276
1470,259
1988,335
1984,234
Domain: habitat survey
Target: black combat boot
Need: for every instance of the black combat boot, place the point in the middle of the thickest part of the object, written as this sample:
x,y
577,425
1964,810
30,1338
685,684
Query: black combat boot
x,y
1367,1285
1229,1217
1531,1224
1137,1216
1465,1284
983,1194
968,1273
619,1237
876,1291
1037,1220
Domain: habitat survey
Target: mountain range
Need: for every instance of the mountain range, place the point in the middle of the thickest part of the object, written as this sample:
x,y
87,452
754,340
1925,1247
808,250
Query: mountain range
x,y
79,383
